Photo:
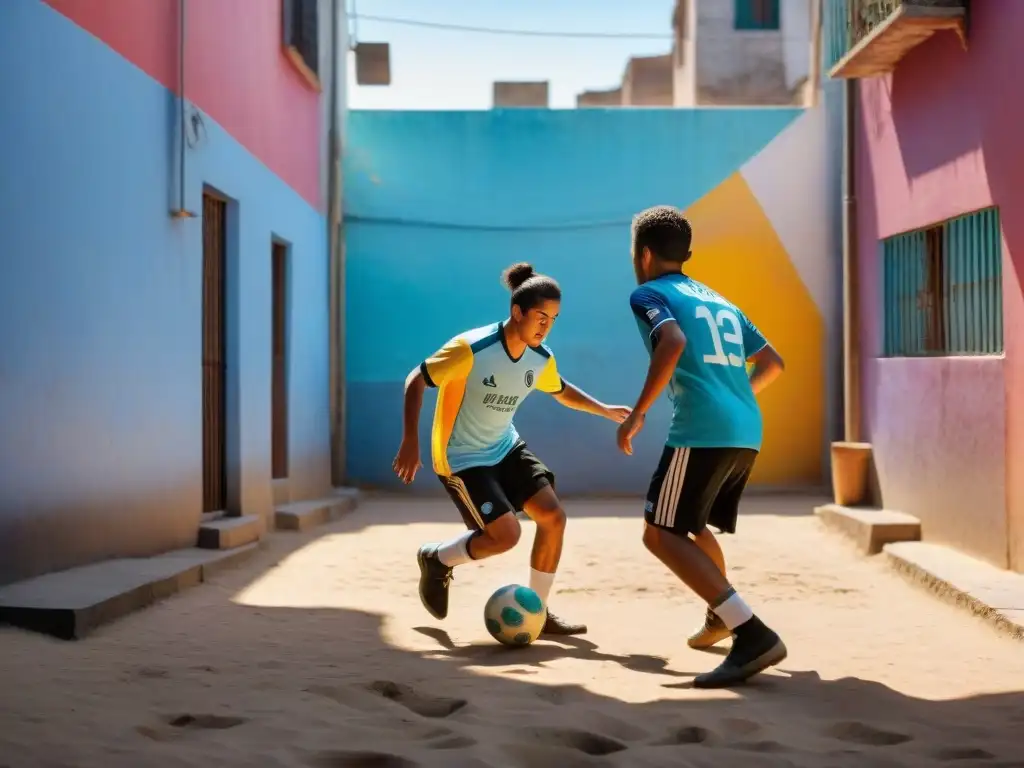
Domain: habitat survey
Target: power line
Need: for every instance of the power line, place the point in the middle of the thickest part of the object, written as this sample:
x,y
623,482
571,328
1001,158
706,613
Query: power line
x,y
513,32
388,221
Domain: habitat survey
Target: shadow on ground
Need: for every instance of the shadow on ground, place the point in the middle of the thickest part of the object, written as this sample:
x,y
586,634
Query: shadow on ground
x,y
204,680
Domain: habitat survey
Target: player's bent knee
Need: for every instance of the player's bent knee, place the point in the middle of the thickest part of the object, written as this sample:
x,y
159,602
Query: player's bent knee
x,y
654,537
504,532
552,518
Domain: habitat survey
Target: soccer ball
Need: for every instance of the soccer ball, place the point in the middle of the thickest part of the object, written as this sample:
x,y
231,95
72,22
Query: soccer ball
x,y
515,615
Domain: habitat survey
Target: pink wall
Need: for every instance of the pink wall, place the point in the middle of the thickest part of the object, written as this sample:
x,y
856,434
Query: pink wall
x,y
937,138
236,71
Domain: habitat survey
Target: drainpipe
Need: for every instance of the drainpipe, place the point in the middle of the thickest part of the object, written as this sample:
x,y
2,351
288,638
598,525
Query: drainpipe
x,y
335,239
814,79
851,313
181,212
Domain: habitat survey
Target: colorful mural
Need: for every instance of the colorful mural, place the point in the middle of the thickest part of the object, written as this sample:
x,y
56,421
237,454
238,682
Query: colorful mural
x,y
439,202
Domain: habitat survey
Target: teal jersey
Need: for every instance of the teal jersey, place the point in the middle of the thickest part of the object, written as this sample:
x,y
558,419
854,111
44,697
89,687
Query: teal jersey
x,y
713,403
480,387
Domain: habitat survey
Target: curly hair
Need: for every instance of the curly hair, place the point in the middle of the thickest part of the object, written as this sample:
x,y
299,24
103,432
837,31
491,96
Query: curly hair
x,y
665,232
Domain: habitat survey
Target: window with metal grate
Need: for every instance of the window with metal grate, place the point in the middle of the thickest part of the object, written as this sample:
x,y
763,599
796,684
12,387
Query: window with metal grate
x,y
301,36
942,288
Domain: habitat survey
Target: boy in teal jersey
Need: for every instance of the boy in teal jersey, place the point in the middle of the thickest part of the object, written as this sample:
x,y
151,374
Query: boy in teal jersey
x,y
700,344
482,377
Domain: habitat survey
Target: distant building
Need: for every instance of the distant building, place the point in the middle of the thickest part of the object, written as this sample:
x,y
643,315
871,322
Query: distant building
x,y
647,81
607,98
521,94
724,52
741,52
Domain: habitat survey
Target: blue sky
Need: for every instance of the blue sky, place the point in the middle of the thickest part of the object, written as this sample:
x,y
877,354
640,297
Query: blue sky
x,y
446,69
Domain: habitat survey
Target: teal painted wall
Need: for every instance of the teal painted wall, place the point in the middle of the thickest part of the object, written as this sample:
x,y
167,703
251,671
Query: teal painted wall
x,y
438,203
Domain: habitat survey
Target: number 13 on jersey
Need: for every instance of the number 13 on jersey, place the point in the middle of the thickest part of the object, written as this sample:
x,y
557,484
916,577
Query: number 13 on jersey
x,y
725,330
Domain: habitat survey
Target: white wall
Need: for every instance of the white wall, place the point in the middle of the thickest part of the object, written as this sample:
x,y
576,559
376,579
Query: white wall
x,y
684,86
796,39
732,65
726,55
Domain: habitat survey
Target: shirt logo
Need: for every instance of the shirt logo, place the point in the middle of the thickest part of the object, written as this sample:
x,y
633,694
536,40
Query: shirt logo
x,y
501,403
528,379
489,381
651,314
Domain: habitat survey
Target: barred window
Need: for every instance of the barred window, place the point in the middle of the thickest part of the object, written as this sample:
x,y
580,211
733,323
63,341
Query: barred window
x,y
943,291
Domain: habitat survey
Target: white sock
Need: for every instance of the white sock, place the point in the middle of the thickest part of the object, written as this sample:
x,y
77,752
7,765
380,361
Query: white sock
x,y
541,583
733,611
456,551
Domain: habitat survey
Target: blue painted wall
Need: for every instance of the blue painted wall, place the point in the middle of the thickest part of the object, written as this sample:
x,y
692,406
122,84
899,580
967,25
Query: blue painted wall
x,y
100,309
438,203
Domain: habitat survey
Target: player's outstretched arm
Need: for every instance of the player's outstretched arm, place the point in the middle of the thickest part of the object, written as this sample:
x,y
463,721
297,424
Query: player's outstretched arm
x,y
407,461
669,343
768,366
573,397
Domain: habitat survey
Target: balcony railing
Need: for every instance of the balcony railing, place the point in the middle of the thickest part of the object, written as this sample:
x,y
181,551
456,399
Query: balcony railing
x,y
869,37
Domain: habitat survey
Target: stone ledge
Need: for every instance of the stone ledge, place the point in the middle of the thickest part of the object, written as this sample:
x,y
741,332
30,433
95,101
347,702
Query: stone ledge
x,y
870,529
230,532
303,515
70,604
985,590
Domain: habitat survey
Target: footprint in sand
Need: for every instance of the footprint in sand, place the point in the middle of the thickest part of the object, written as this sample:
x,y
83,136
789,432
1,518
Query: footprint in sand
x,y
686,734
568,738
445,738
862,733
424,705
736,730
186,722
344,759
204,722
613,727
949,754
557,695
455,741
764,746
152,673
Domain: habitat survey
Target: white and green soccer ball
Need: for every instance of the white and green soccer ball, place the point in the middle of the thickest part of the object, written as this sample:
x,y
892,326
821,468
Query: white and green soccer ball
x,y
515,615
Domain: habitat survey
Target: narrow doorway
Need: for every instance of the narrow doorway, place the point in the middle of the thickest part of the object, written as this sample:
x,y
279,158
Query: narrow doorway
x,y
214,358
279,363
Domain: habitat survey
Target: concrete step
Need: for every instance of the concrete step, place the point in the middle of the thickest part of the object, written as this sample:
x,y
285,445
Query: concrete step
x,y
870,529
70,604
989,592
303,515
230,532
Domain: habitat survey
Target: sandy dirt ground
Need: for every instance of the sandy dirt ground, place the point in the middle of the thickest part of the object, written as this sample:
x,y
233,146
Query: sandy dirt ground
x,y
316,652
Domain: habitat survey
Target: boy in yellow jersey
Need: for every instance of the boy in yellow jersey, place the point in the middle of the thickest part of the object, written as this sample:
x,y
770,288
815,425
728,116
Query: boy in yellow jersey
x,y
483,376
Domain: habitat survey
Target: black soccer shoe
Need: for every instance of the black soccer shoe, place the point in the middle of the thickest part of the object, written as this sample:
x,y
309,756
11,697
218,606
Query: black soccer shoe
x,y
435,578
556,626
754,648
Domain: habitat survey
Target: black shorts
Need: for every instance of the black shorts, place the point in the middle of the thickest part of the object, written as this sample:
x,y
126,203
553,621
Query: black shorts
x,y
483,494
696,487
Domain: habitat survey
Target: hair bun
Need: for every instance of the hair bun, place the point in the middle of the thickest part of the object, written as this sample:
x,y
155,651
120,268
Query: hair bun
x,y
518,274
